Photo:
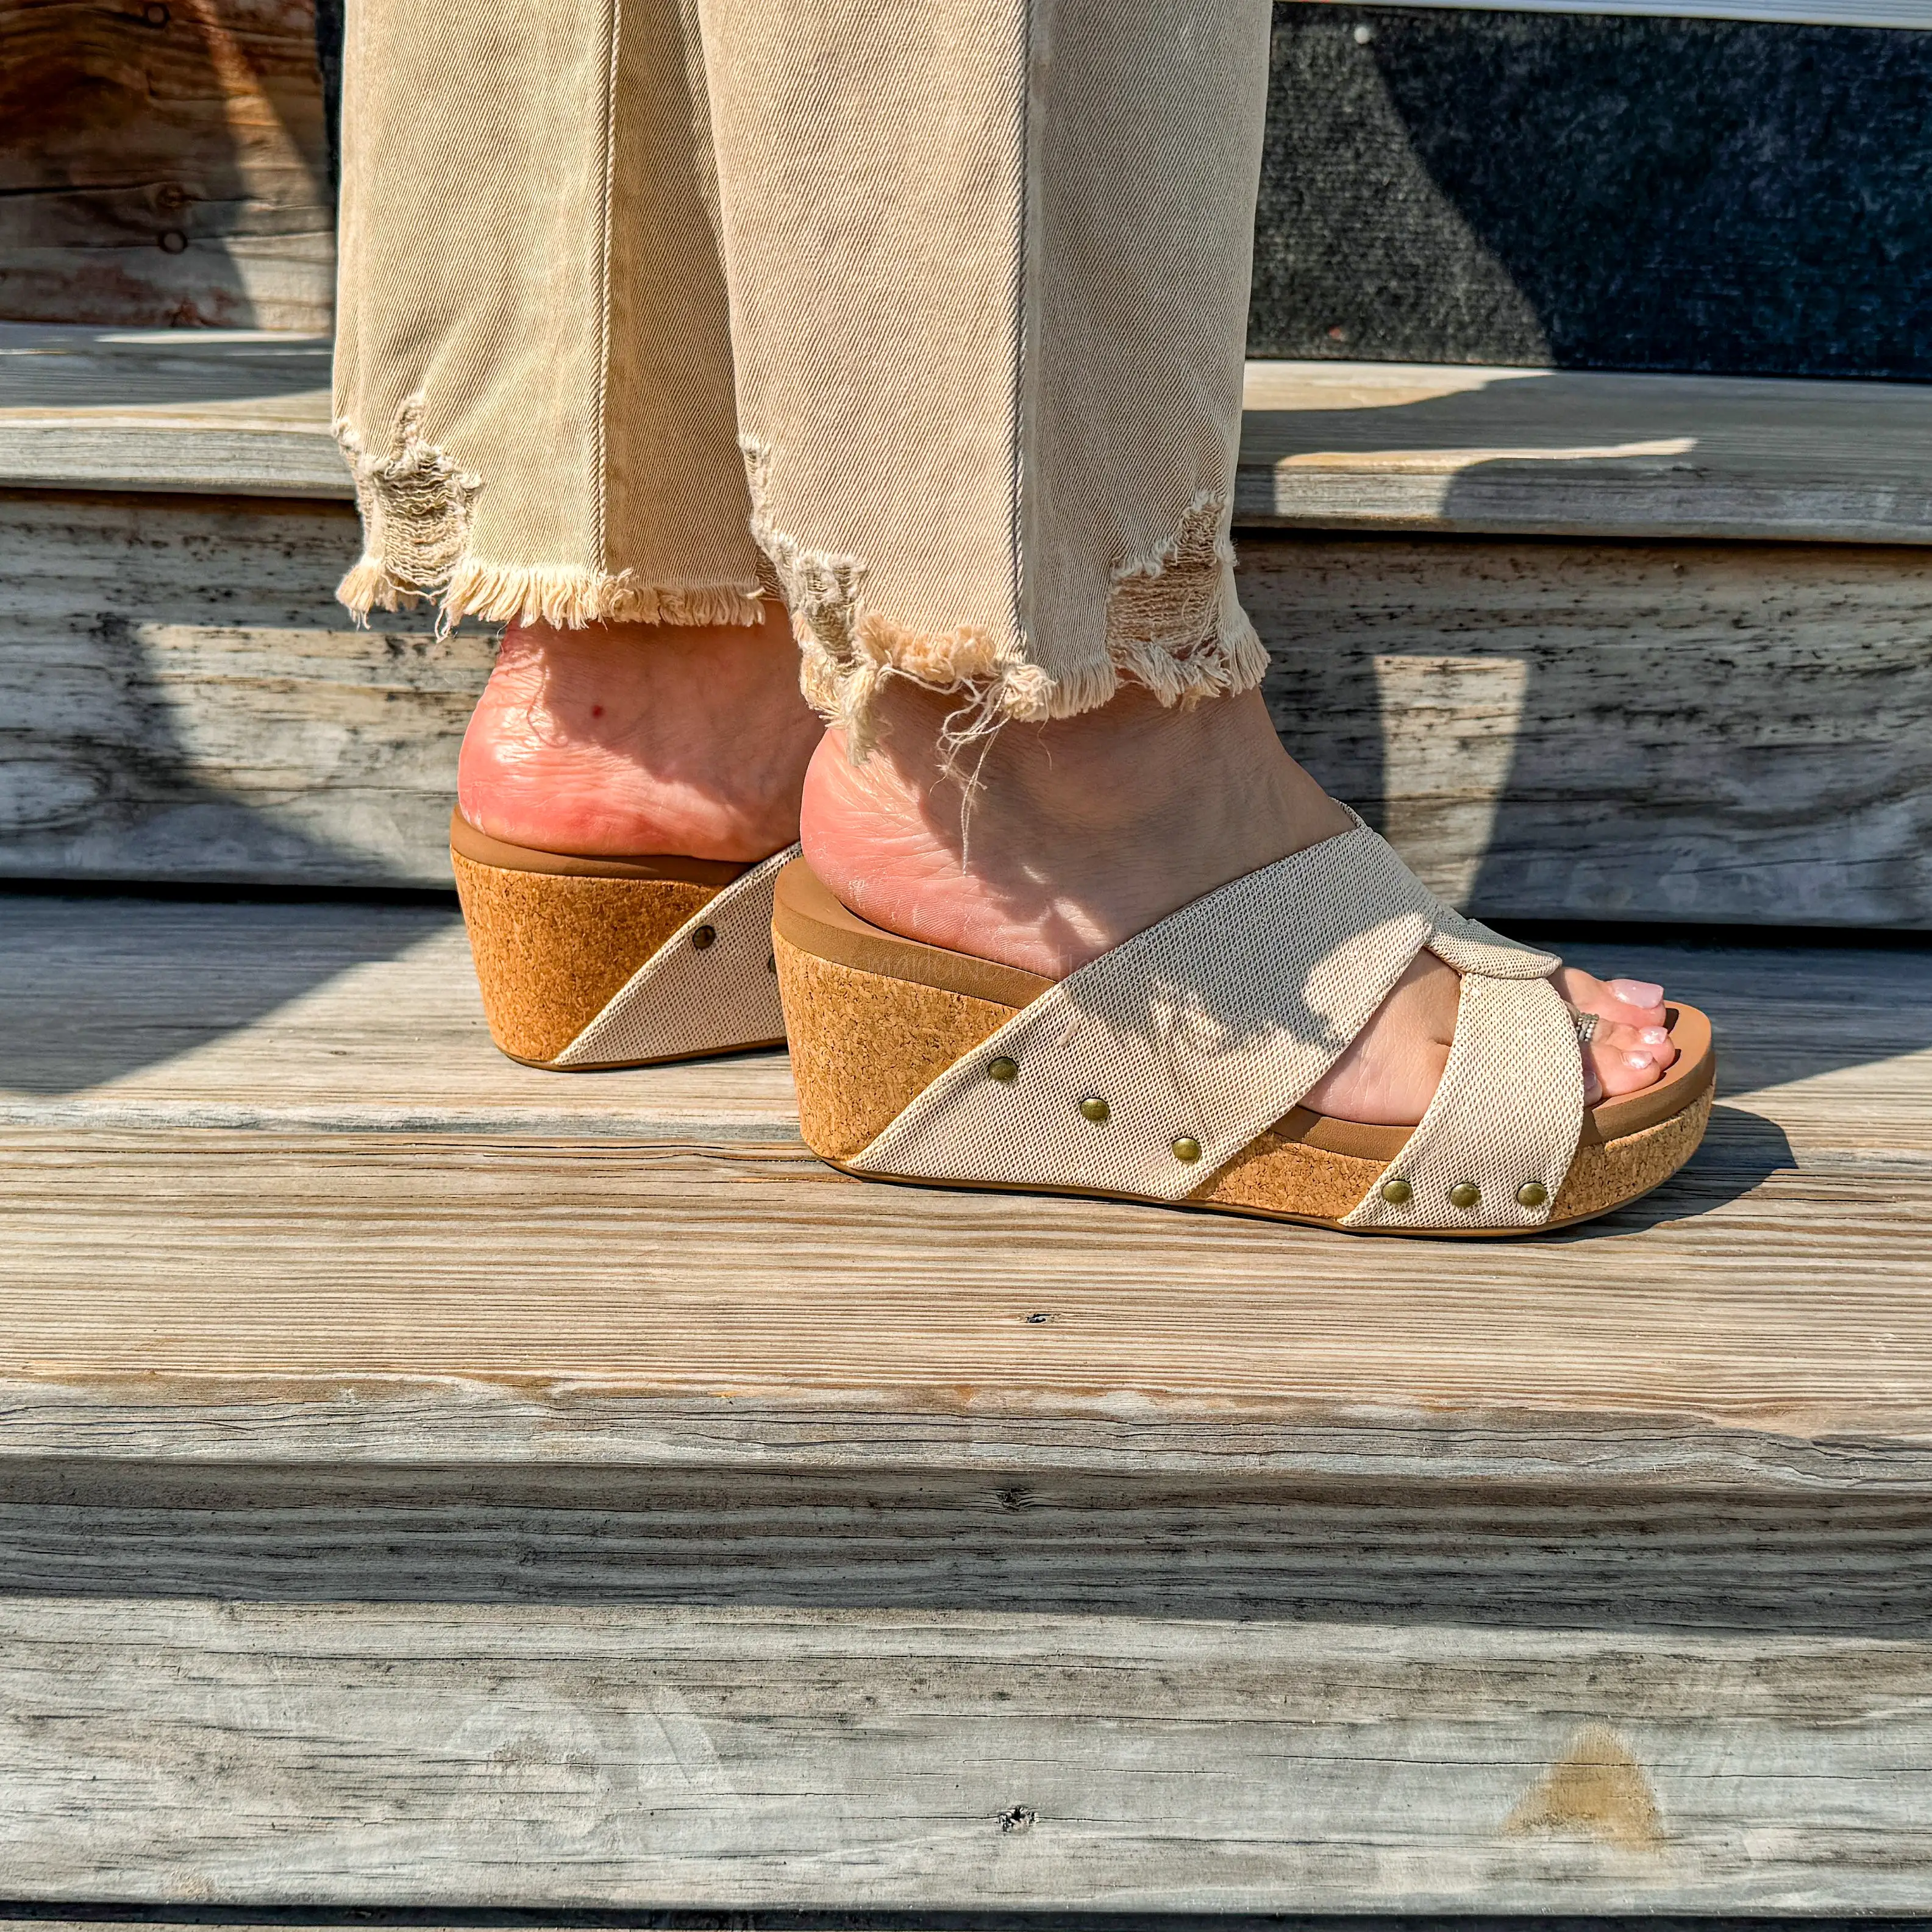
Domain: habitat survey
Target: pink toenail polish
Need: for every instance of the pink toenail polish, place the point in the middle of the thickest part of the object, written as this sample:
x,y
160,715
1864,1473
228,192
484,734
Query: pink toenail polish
x,y
1655,1036
1637,1062
1637,992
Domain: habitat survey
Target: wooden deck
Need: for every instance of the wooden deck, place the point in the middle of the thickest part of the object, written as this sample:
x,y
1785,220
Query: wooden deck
x,y
424,1481
429,1481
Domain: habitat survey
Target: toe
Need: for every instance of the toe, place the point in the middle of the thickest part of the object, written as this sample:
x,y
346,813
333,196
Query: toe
x,y
1631,1002
1626,1059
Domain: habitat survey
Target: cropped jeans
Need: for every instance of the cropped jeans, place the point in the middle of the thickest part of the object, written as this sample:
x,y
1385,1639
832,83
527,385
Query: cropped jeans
x,y
925,317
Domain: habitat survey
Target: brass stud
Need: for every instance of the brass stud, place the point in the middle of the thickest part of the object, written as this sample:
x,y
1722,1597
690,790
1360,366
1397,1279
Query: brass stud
x,y
1532,1194
1465,1194
1095,1109
705,935
1004,1068
1396,1193
1187,1148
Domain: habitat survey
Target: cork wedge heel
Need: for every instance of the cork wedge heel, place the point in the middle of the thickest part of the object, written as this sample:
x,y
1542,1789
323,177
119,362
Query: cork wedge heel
x,y
1170,1069
588,964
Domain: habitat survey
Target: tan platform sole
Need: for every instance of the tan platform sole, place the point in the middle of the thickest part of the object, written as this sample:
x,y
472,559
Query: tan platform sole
x,y
873,1019
555,937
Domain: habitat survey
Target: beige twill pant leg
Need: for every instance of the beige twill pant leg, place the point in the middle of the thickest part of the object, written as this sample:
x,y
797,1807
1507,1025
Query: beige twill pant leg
x,y
533,369
942,305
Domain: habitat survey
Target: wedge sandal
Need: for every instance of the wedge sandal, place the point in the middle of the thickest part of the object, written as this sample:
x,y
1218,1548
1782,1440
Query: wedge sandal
x,y
1170,1069
586,963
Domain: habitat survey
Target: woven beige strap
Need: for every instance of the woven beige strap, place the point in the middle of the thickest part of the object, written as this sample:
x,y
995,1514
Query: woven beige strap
x,y
1499,1136
1470,946
708,988
1187,1041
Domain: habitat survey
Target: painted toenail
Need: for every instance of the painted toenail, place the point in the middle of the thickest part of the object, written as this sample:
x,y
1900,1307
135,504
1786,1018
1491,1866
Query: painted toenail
x,y
1655,1036
1637,992
1637,1062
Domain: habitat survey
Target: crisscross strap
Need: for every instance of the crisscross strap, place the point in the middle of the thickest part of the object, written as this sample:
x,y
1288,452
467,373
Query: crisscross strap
x,y
1499,1136
1146,1070
709,988
1470,946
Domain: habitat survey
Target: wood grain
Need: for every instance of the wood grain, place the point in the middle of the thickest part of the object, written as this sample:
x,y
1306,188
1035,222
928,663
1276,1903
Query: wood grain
x,y
1653,730
164,165
183,698
1694,732
1572,453
235,412
1325,445
251,1184
1216,1543
1677,732
359,1754
426,1480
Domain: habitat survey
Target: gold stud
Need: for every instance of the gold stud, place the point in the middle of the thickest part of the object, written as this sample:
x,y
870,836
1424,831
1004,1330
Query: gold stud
x,y
1532,1194
1465,1194
1004,1068
1095,1109
1396,1193
705,935
1186,1148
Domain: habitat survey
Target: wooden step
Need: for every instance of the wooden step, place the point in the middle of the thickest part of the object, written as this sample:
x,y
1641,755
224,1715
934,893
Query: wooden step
x,y
1514,617
427,1479
1325,445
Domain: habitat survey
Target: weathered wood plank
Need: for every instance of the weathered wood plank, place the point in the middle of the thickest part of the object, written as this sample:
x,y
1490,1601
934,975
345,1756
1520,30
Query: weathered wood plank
x,y
1660,731
1675,732
1740,1329
1221,1543
424,1480
1327,446
146,1015
182,697
165,166
1545,730
362,1755
121,452
235,412
650,1265
1566,453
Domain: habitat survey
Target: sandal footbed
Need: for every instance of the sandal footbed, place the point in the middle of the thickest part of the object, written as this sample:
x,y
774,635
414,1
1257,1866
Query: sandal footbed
x,y
873,1019
480,849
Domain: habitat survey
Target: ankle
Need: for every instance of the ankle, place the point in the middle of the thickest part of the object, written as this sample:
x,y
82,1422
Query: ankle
x,y
1077,834
625,738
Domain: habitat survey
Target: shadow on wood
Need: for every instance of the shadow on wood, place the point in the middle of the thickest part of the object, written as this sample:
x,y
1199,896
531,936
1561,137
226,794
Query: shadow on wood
x,y
187,702
1003,1541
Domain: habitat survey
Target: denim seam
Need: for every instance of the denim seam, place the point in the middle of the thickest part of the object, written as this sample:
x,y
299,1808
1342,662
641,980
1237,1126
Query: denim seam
x,y
599,533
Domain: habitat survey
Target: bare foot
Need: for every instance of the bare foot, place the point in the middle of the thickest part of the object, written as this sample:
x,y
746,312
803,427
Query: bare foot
x,y
1086,831
627,739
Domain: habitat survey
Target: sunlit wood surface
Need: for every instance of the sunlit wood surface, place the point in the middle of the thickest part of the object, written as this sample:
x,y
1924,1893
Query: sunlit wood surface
x,y
425,1480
